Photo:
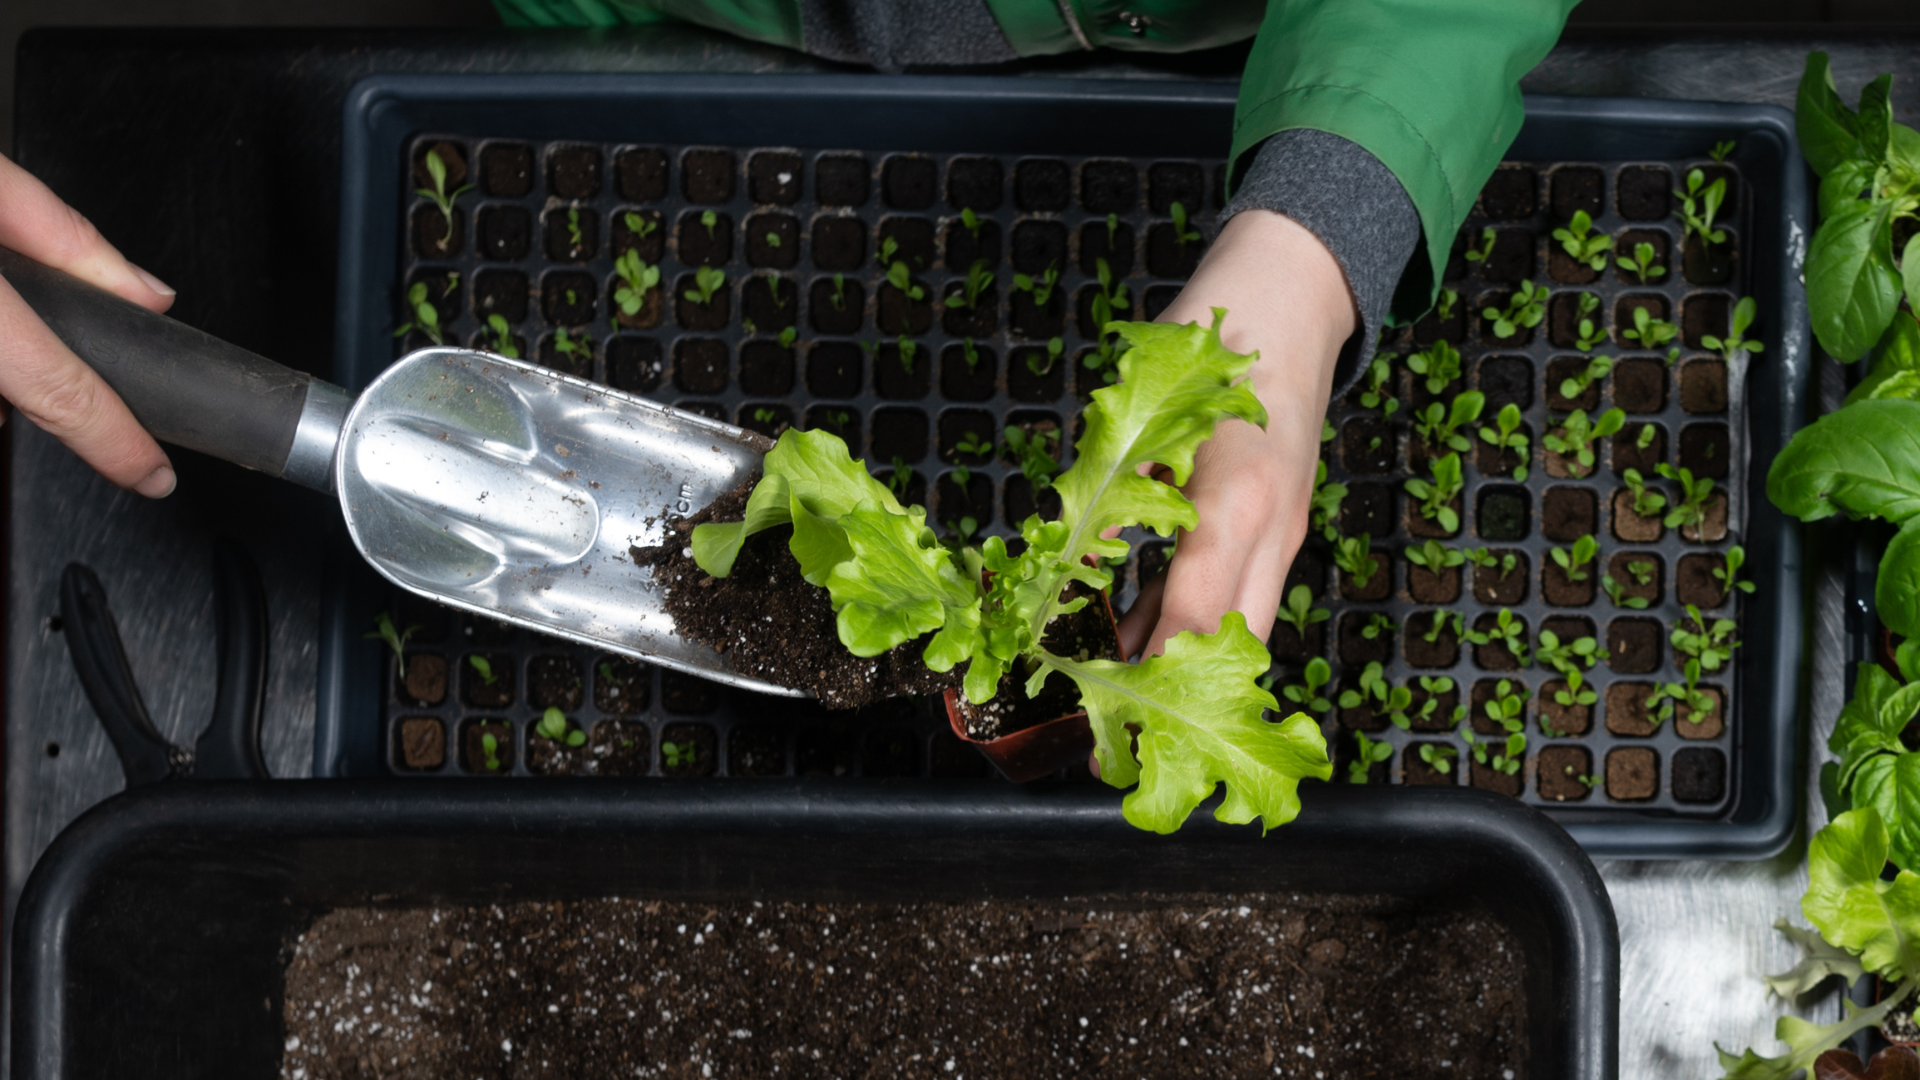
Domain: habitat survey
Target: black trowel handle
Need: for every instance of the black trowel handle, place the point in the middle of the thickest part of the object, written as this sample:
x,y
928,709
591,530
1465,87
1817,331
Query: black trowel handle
x,y
187,387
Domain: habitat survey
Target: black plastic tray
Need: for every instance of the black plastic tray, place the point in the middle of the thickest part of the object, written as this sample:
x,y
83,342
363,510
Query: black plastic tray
x,y
389,119
150,940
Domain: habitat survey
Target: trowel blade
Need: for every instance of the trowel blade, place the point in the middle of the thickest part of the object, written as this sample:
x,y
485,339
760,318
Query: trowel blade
x,y
512,490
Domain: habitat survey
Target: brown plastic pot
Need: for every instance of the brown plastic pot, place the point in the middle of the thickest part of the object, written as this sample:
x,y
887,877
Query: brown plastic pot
x,y
1037,751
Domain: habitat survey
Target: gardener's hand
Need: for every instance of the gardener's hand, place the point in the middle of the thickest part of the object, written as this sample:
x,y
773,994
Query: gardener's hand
x,y
38,374
1286,297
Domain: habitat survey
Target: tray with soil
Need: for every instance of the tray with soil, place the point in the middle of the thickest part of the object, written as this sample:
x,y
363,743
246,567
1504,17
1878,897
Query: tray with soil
x,y
605,936
925,205
1554,532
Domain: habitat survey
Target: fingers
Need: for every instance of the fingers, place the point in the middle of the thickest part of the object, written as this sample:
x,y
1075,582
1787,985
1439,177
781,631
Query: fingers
x,y
1136,626
35,223
60,393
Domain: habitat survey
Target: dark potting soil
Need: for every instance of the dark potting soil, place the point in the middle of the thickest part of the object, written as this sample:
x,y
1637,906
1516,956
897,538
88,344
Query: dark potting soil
x,y
704,241
1087,634
1707,449
775,177
1355,647
1569,513
621,685
1622,566
1644,193
772,624
1633,645
1559,769
1695,584
506,169
909,181
1368,508
1510,193
1379,583
1042,185
1442,652
1492,585
1503,513
1569,719
555,682
773,241
1640,386
1703,316
1511,260
707,176
573,172
1561,591
1505,380
1577,188
474,756
426,679
1707,264
1229,987
1633,774
1703,386
423,743
1627,453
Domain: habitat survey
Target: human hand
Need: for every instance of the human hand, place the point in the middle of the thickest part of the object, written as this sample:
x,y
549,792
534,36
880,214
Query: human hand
x,y
39,375
1285,296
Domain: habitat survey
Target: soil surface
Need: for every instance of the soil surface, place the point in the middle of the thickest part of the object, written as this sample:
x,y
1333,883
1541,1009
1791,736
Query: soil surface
x,y
772,623
1254,986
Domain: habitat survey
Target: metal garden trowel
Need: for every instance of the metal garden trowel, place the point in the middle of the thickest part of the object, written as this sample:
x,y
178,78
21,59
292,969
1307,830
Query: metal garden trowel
x,y
486,484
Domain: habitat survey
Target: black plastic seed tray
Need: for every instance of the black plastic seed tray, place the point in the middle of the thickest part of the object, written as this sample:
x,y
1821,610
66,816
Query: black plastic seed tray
x,y
151,939
834,168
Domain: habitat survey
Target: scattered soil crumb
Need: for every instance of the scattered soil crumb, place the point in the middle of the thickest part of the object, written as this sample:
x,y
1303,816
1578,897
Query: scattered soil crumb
x,y
1136,986
772,623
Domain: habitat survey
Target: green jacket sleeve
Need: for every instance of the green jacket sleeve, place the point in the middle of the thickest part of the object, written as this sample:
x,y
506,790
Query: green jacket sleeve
x,y
1430,87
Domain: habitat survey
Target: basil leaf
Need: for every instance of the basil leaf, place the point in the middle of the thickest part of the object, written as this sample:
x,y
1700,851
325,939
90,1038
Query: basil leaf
x,y
1876,118
1896,591
1897,355
1853,288
1910,271
1827,129
1843,186
1863,460
1890,783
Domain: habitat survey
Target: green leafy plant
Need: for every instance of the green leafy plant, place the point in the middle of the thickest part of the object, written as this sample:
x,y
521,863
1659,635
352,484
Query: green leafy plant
x,y
1439,757
899,477
1596,369
1379,697
1728,575
553,725
1182,235
1113,231
1040,287
773,239
1354,556
1040,363
907,348
1325,507
1367,754
1651,333
1443,308
979,280
1440,425
395,639
1695,497
1110,298
1482,557
1525,309
1507,706
788,336
1722,149
1577,241
1573,440
502,336
1378,625
1441,619
1298,611
1439,363
707,280
1644,265
1435,686
636,278
1434,558
1615,592
1035,454
1502,757
1588,336
1568,658
891,582
1648,433
971,354
490,751
971,222
1700,204
1508,631
1373,391
1572,562
901,278
679,755
1485,250
1736,342
575,237
1646,501
573,347
839,295
1306,693
1711,643
426,317
765,415
1505,435
1437,494
483,668
709,219
639,224
441,198
973,444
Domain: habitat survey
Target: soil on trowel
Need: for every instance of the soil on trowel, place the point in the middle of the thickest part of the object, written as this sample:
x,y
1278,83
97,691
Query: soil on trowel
x,y
774,625
1250,986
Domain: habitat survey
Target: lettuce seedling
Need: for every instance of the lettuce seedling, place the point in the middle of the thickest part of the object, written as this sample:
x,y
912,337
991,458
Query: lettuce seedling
x,y
1111,297
1195,712
1485,250
483,668
1435,557
971,354
1508,705
1373,392
1614,589
637,277
396,639
1588,337
1646,501
1437,494
1596,369
901,278
1482,557
1507,630
553,725
1582,247
1439,757
442,199
1736,342
573,348
1643,265
1327,497
1573,440
1506,435
502,336
707,280
839,297
1439,425
426,317
1729,574
908,349
1040,287
1298,611
1435,686
1695,496
1306,693
490,751
1380,698
709,219
1572,562
1567,658
1525,309
1650,332
1181,234
1698,215
575,237
1440,622
1039,366
1444,307
979,280
1354,556
1505,759
639,224
678,754
1711,643
1367,754
1035,454
1439,362
1721,149
971,222
1378,625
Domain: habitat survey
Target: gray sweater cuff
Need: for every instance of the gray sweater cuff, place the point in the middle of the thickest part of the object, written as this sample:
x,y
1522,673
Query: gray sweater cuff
x,y
1355,205
890,35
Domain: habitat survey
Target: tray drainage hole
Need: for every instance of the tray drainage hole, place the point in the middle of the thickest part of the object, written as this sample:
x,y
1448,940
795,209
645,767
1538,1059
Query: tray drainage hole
x,y
53,749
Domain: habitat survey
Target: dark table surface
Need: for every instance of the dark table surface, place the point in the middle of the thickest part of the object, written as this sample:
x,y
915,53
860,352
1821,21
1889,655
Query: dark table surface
x,y
211,157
